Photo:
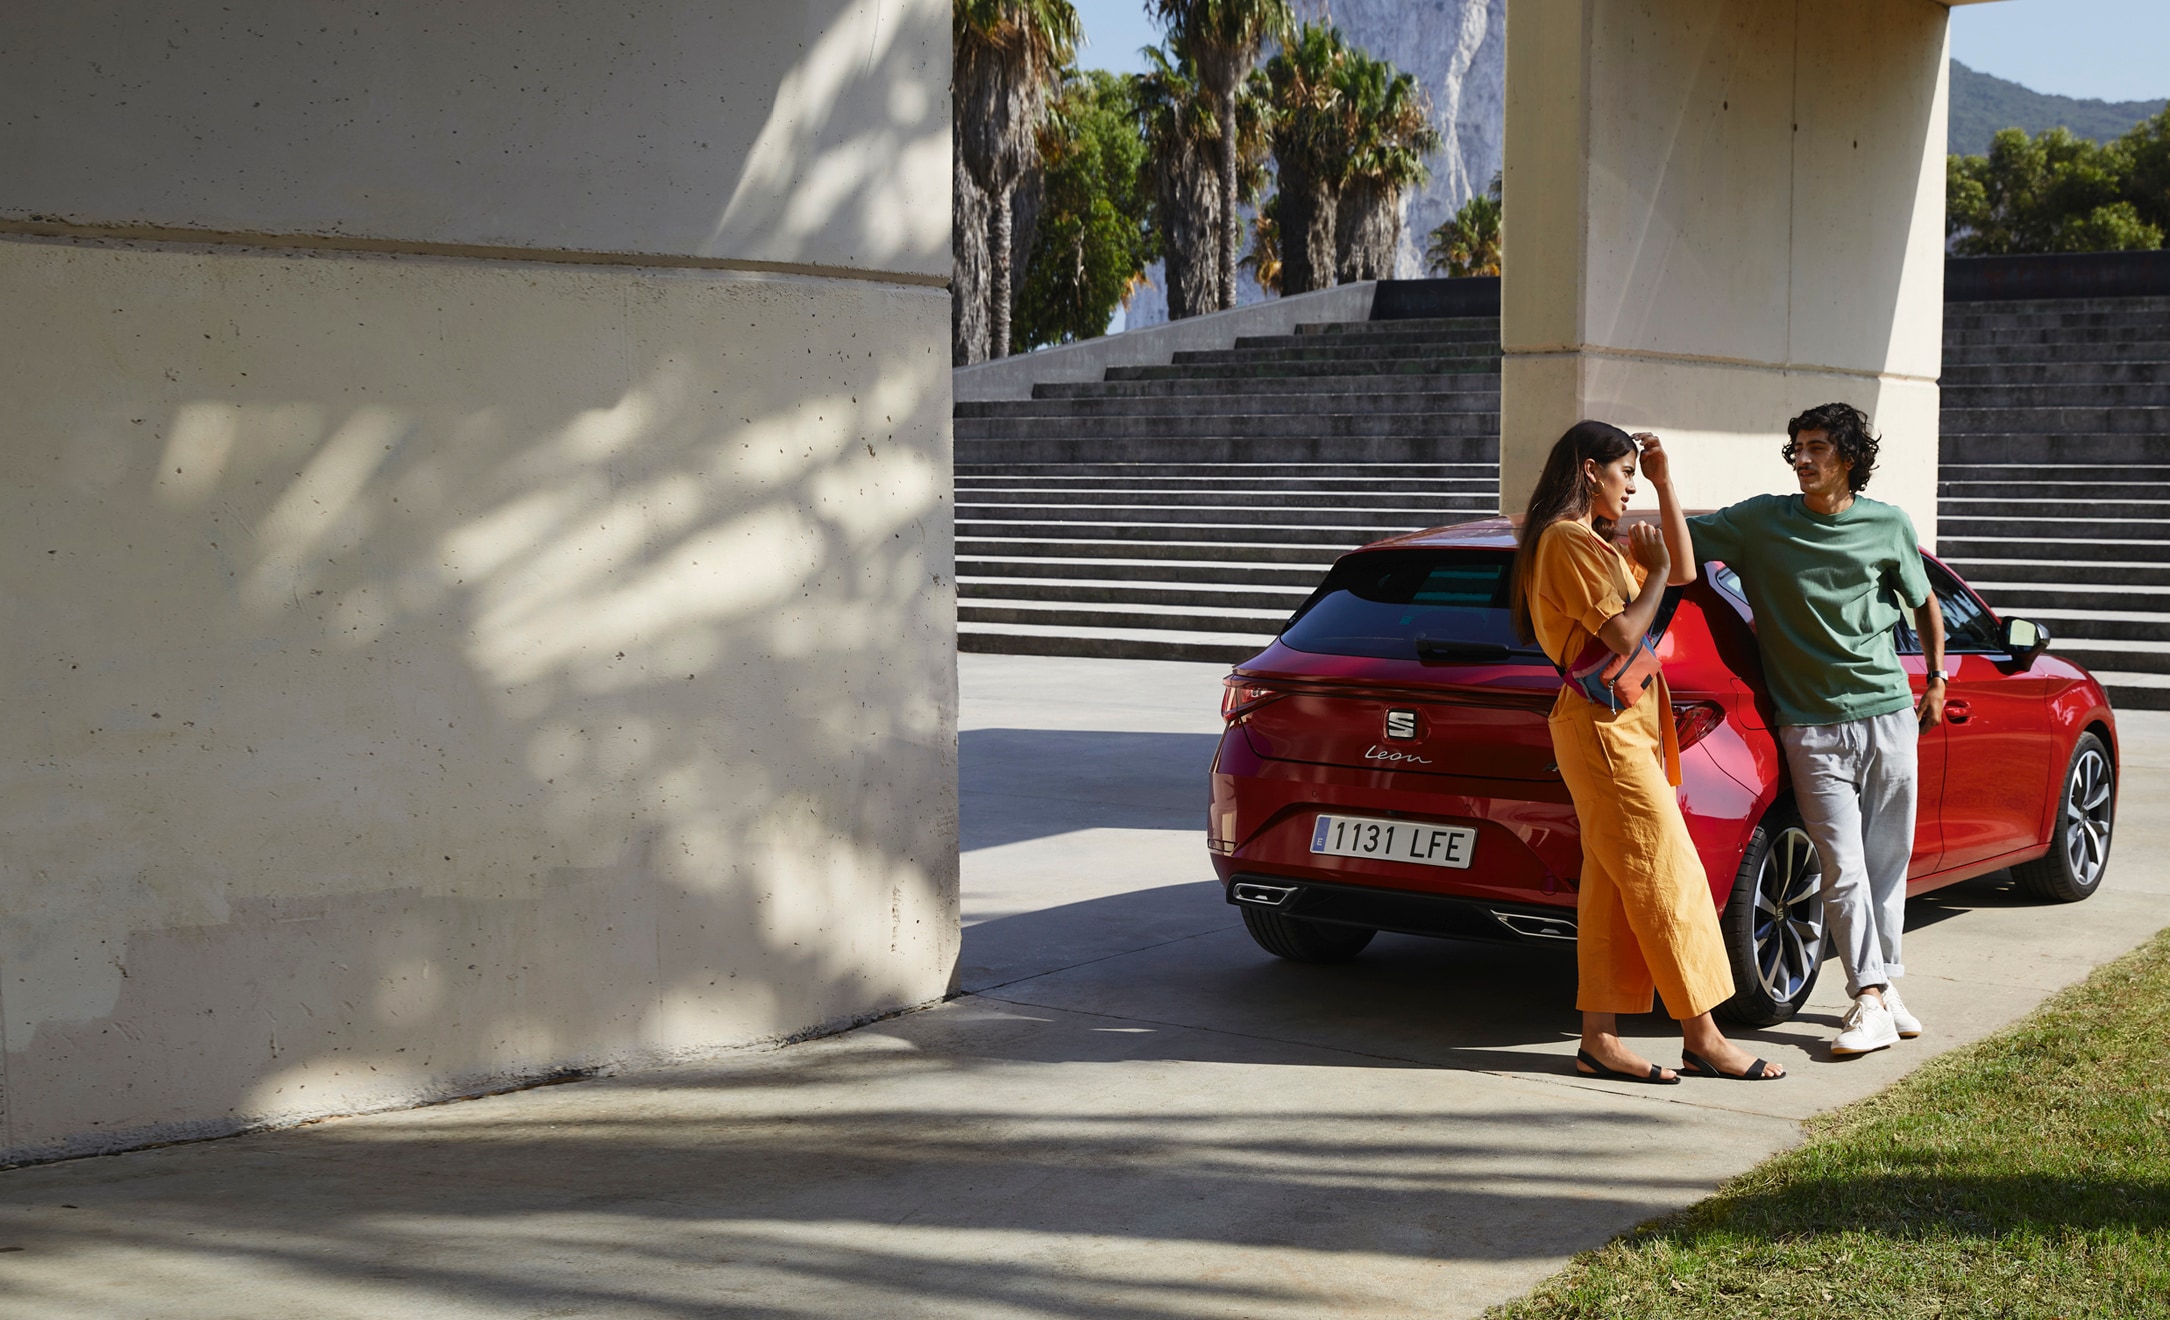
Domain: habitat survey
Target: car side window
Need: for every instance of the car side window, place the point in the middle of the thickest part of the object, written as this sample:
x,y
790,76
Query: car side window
x,y
1968,628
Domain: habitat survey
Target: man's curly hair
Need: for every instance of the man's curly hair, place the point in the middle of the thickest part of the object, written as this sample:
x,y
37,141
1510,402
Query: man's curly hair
x,y
1848,428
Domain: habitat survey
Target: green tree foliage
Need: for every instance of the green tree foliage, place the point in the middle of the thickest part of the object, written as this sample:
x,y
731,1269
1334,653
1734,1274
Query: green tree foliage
x,y
1182,130
1390,135
1350,133
1221,40
1313,137
2147,180
1092,241
1468,243
2049,193
1006,57
1264,258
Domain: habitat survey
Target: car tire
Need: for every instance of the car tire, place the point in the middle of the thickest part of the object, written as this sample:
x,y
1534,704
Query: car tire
x,y
2079,847
1773,922
1298,940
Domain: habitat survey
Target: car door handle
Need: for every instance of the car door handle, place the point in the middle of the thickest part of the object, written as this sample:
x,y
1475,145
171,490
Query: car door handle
x,y
1957,712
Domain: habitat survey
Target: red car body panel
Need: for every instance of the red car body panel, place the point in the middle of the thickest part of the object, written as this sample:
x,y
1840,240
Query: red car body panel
x,y
1307,736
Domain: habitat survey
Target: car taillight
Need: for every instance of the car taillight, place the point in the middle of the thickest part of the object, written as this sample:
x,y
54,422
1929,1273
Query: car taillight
x,y
1240,695
1694,719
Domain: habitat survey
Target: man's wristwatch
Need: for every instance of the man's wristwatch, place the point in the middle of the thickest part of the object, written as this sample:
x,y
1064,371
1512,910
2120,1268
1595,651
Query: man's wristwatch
x,y
1940,674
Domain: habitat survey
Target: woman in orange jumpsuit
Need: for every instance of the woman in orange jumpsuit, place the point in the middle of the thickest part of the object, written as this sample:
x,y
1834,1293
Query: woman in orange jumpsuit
x,y
1644,915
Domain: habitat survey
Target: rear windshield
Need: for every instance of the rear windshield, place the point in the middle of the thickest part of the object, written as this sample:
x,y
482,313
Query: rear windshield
x,y
1443,607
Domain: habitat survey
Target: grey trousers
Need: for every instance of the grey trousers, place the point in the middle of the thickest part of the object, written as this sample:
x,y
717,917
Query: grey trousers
x,y
1855,784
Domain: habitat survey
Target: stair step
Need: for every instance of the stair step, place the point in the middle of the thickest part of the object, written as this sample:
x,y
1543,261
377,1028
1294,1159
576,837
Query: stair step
x,y
1108,643
2025,306
1429,502
1184,618
2053,352
2141,421
1487,334
1477,399
1312,348
2120,626
1410,325
1144,551
1384,518
1965,398
1341,536
1299,577
1346,451
1448,379
2031,572
1428,364
2055,373
1975,317
2043,450
2131,657
1101,591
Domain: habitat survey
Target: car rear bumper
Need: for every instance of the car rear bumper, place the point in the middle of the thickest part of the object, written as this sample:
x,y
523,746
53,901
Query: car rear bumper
x,y
1442,915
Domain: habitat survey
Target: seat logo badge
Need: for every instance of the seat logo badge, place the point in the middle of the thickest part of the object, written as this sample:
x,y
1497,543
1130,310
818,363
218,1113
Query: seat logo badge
x,y
1401,724
1377,753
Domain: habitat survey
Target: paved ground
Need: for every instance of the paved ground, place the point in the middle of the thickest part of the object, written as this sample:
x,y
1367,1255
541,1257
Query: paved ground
x,y
1133,1113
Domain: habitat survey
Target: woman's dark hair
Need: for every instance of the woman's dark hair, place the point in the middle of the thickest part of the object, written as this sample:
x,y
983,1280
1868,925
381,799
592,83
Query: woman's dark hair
x,y
1848,428
1563,491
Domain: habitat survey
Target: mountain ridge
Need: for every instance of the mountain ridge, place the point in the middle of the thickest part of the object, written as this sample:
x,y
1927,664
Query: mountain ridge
x,y
1983,103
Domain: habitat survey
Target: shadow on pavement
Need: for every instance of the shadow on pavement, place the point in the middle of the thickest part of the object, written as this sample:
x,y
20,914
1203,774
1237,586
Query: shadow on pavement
x,y
1018,784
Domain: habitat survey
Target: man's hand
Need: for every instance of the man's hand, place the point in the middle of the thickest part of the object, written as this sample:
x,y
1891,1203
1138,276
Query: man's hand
x,y
1648,546
1654,463
1931,706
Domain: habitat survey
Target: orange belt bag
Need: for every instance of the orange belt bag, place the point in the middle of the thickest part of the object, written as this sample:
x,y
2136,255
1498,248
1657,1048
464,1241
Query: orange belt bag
x,y
1608,678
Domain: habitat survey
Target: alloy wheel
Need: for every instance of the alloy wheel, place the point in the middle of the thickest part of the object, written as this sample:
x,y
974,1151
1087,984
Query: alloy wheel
x,y
2087,817
1789,915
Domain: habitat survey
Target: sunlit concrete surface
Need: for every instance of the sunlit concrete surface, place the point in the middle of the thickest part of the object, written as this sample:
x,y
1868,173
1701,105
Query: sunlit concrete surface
x,y
475,496
1741,206
1134,1112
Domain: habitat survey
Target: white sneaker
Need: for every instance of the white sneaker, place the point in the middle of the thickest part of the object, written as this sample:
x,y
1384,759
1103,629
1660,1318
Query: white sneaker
x,y
1867,1026
1909,1026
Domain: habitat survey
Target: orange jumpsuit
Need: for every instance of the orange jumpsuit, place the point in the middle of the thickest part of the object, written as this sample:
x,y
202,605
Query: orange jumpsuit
x,y
1643,909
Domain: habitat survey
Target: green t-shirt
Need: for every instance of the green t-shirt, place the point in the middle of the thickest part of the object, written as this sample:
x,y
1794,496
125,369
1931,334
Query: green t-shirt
x,y
1826,591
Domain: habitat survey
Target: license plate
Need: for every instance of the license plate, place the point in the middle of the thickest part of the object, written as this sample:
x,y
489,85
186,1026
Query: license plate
x,y
1394,840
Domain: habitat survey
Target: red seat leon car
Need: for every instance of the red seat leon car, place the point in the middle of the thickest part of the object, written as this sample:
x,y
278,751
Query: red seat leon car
x,y
1385,765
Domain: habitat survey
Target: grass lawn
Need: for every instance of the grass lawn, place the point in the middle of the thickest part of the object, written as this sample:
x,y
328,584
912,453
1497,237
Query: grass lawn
x,y
2027,1175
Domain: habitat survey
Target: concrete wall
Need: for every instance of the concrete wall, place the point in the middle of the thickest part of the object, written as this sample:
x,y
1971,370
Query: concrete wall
x,y
1727,211
485,608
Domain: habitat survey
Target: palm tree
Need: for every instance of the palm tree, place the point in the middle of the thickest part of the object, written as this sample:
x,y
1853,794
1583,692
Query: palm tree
x,y
1264,258
1008,54
1470,243
1311,142
1222,39
1390,135
1179,129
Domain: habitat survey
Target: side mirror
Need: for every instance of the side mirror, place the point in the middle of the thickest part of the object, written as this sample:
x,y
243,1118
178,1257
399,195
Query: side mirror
x,y
2024,639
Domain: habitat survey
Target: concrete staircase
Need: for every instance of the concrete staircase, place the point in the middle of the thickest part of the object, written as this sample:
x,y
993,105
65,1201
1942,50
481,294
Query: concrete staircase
x,y
1180,511
2055,476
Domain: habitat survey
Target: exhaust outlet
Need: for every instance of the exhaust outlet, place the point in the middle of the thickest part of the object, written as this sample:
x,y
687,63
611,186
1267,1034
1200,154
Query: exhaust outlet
x,y
1258,895
1533,927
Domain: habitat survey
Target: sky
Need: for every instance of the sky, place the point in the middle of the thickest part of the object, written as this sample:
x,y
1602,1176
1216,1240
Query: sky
x,y
2113,50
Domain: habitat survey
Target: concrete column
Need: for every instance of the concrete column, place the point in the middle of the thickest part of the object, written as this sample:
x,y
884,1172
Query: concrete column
x,y
1722,212
477,574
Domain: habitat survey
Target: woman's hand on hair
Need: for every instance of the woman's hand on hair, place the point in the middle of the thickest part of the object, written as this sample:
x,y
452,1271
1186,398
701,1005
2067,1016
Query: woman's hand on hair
x,y
1654,462
1647,544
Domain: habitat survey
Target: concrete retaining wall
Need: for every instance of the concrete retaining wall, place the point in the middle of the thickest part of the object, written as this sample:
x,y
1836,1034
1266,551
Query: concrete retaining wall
x,y
428,668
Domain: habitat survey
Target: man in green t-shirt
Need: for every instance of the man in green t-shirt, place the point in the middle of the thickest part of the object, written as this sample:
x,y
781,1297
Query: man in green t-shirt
x,y
1828,573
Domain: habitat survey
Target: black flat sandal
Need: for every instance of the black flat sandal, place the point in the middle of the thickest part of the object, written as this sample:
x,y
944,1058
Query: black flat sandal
x,y
1696,1065
1656,1075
